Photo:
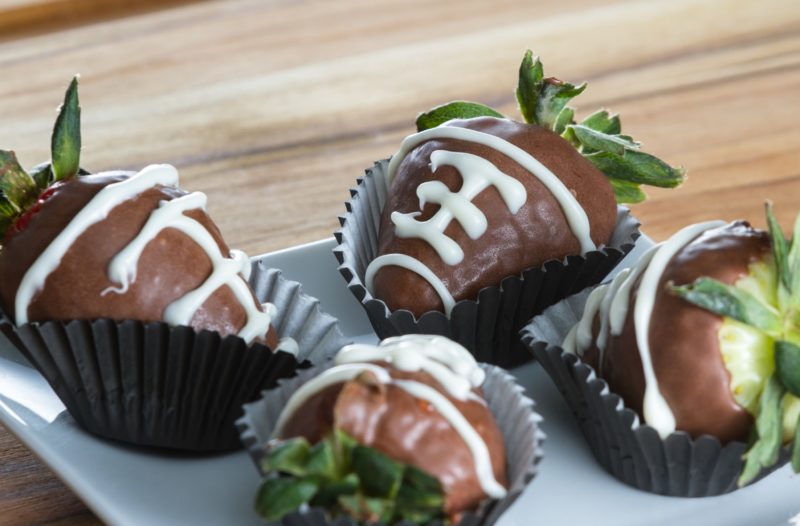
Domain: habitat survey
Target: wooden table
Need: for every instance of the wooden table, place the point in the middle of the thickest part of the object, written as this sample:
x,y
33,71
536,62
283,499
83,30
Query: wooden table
x,y
273,108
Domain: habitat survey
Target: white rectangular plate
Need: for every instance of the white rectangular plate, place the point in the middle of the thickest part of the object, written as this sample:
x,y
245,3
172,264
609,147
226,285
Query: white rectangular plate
x,y
134,486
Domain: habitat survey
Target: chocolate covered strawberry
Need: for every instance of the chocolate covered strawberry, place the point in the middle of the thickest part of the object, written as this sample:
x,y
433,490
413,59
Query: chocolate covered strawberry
x,y
475,197
117,245
395,433
702,335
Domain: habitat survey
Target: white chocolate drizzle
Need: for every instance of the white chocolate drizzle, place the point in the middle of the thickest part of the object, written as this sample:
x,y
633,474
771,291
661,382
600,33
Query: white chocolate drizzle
x,y
230,271
410,263
573,211
611,302
96,210
478,174
446,361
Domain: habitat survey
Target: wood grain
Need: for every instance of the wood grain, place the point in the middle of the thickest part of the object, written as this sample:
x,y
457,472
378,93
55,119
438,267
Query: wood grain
x,y
20,18
273,108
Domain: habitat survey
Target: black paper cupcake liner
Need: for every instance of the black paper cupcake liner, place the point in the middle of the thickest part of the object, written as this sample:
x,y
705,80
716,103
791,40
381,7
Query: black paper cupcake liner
x,y
631,451
488,326
150,384
512,409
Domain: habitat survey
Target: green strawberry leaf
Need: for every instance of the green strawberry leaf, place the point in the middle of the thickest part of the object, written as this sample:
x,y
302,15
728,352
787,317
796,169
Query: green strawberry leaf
x,y
289,456
565,117
281,495
16,184
42,174
727,300
8,215
420,491
344,476
787,365
602,142
331,490
627,192
764,451
553,98
454,110
380,475
796,448
602,121
322,460
780,249
543,102
793,263
529,84
637,167
65,147
366,509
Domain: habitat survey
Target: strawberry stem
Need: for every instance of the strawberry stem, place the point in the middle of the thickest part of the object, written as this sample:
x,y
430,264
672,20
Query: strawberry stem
x,y
20,191
344,476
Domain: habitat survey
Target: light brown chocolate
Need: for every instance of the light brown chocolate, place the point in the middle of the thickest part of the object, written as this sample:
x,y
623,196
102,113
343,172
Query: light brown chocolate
x,y
171,265
684,342
407,429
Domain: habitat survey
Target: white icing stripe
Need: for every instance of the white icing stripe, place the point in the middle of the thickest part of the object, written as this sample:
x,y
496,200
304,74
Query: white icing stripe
x,y
228,272
122,268
612,302
446,361
605,308
328,378
618,310
657,412
414,265
574,213
478,174
583,337
96,210
476,445
449,363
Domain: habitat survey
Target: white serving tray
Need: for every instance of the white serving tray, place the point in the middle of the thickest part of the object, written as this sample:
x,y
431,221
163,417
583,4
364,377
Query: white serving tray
x,y
134,486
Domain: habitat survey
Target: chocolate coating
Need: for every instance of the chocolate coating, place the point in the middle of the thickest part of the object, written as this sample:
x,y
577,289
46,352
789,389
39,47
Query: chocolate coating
x,y
537,233
171,265
407,429
684,341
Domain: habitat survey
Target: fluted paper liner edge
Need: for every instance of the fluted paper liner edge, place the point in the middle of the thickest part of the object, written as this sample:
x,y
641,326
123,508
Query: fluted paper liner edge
x,y
154,385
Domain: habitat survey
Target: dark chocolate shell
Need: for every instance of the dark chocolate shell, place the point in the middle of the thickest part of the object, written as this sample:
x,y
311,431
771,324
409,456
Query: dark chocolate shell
x,y
488,326
684,340
513,241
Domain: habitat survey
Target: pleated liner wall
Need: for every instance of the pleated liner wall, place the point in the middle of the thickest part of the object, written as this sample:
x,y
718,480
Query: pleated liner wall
x,y
151,384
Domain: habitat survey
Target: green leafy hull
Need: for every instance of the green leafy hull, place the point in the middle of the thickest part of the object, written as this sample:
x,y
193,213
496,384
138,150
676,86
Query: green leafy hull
x,y
543,101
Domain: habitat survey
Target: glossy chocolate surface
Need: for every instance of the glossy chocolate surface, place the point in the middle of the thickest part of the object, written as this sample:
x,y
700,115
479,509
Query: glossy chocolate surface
x,y
406,429
171,265
513,242
684,340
